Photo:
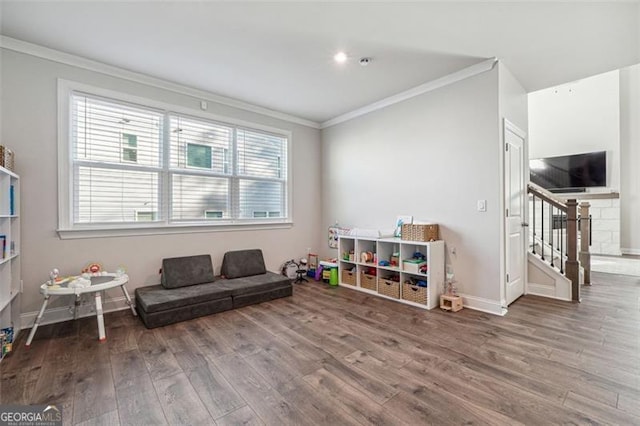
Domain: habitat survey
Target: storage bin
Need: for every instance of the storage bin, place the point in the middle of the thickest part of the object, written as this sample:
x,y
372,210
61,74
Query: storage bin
x,y
389,288
413,293
348,277
412,266
6,158
413,232
368,281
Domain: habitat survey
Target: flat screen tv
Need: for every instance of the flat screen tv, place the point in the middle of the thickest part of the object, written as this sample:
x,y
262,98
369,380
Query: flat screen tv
x,y
570,172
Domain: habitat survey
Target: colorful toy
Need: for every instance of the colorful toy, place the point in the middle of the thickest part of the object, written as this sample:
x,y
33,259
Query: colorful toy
x,y
92,268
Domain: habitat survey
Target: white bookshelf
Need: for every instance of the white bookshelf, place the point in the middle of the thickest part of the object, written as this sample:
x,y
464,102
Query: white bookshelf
x,y
384,248
10,280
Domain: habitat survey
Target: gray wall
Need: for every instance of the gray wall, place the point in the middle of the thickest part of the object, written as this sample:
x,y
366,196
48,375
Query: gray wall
x,y
29,127
630,159
432,156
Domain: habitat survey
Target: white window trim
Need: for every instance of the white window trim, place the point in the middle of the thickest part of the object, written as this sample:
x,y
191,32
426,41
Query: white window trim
x,y
68,230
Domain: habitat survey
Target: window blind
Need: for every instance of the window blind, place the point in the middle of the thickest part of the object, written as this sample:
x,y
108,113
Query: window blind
x,y
262,171
128,169
116,160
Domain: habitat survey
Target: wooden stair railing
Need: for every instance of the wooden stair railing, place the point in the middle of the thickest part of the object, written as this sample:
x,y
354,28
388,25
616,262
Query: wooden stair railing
x,y
558,235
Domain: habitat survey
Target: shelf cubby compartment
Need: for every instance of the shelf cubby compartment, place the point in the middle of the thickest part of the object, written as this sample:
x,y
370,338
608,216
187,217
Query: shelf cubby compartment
x,y
347,248
409,263
389,251
367,277
366,246
349,275
412,292
389,287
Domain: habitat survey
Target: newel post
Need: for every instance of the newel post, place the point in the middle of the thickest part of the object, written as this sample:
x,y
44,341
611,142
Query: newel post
x,y
572,266
585,232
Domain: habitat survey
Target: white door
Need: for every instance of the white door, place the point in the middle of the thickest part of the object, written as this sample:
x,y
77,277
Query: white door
x,y
515,226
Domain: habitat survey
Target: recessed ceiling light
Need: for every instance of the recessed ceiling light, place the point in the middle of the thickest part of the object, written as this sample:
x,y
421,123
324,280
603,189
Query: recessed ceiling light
x,y
340,57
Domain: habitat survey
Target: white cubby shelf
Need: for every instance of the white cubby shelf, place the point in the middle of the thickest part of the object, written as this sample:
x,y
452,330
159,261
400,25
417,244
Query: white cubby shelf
x,y
384,249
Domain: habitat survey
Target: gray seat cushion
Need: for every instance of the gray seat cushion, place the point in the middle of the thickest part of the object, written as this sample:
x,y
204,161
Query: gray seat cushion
x,y
186,271
242,263
156,298
184,313
255,284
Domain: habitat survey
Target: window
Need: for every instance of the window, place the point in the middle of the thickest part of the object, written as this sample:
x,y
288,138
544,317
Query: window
x,y
146,216
133,164
198,156
129,148
263,214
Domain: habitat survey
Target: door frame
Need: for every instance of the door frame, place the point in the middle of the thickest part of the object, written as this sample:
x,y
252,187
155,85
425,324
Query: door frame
x,y
510,126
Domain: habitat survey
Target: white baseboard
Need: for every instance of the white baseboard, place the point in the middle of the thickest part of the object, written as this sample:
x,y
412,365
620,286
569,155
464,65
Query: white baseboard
x,y
65,313
635,252
544,290
484,305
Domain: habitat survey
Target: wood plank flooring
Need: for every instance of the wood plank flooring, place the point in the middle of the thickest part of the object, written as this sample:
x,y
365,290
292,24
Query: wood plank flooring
x,y
335,356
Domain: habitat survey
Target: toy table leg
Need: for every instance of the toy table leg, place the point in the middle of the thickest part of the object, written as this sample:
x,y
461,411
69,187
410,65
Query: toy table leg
x,y
101,334
38,319
75,307
126,295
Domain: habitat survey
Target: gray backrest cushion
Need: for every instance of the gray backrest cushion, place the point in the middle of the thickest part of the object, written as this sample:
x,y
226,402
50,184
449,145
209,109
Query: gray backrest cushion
x,y
243,263
185,271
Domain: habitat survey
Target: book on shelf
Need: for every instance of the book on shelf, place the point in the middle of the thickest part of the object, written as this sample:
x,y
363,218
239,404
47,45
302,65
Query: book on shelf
x,y
12,200
3,245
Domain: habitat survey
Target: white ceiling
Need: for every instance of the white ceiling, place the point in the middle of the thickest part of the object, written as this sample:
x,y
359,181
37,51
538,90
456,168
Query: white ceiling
x,y
279,55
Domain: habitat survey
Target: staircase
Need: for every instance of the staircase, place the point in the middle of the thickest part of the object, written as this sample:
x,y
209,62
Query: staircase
x,y
559,259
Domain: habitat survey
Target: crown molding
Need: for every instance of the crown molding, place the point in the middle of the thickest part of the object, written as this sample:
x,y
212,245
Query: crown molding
x,y
100,67
464,73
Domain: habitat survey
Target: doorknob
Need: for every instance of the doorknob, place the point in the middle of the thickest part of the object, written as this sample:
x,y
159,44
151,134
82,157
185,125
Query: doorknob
x,y
525,224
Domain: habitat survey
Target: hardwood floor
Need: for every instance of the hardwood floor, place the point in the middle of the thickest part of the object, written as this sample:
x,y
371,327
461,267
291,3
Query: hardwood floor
x,y
336,356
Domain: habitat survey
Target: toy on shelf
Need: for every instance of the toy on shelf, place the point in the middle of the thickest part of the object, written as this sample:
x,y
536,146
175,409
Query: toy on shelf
x,y
6,341
418,255
368,257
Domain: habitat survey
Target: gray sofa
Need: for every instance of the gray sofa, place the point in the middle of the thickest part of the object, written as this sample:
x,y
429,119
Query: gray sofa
x,y
189,289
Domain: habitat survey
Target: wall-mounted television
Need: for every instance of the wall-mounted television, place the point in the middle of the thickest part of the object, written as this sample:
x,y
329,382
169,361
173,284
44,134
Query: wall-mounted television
x,y
570,172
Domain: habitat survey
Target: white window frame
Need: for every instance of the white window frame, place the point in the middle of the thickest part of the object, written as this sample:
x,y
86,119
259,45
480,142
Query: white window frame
x,y
67,229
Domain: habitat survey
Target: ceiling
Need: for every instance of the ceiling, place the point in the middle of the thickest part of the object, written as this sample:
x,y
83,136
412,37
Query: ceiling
x,y
279,55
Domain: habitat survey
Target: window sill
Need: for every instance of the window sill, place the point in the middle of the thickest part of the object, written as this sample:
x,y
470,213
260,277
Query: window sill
x,y
123,231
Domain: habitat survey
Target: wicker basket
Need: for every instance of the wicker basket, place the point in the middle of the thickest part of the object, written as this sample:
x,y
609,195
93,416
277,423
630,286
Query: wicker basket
x,y
368,281
6,158
414,293
389,288
413,232
348,277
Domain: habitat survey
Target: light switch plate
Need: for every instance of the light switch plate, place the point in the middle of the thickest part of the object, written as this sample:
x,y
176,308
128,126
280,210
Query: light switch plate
x,y
482,205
